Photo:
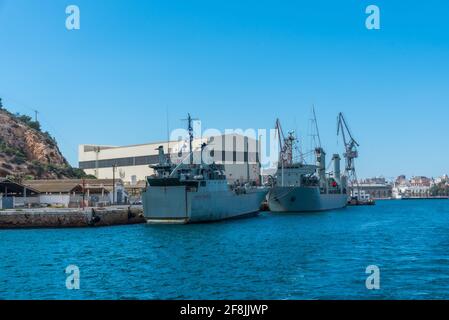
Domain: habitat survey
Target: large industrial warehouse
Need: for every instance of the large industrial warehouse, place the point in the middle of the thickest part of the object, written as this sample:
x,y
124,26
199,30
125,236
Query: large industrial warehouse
x,y
238,153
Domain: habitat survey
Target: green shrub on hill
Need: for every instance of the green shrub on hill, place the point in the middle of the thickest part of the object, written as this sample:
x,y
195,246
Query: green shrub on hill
x,y
29,121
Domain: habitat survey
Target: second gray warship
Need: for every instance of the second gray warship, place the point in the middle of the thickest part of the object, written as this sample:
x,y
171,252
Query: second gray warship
x,y
301,187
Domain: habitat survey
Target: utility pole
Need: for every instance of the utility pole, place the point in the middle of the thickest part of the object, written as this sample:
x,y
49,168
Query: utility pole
x,y
84,192
114,166
248,178
258,160
190,138
35,115
97,153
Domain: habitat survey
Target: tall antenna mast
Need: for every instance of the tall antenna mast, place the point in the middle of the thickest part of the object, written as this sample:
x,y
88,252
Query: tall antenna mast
x,y
190,138
316,126
190,129
168,136
281,138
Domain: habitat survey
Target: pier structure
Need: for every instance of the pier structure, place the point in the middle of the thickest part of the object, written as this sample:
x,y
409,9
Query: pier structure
x,y
70,218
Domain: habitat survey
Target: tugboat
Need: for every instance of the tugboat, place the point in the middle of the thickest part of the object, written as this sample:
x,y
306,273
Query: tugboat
x,y
196,193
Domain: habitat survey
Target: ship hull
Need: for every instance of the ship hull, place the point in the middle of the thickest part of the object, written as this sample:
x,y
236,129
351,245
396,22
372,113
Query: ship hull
x,y
165,205
304,199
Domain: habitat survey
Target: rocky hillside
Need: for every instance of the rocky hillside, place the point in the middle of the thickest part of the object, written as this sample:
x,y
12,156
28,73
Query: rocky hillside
x,y
26,152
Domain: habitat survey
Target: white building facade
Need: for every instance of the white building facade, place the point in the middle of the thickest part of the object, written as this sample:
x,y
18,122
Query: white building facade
x,y
416,187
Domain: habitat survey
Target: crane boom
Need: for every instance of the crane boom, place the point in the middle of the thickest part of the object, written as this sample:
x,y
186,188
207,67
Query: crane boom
x,y
351,153
281,136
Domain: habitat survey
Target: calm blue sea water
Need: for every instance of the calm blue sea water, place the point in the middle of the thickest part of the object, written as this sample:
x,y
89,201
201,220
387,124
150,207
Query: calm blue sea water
x,y
307,256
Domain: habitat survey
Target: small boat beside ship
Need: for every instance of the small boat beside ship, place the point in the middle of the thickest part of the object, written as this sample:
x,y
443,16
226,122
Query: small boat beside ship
x,y
360,197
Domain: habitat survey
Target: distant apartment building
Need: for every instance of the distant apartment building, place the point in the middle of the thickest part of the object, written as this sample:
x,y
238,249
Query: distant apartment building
x,y
416,187
375,180
420,181
443,179
376,188
239,154
402,179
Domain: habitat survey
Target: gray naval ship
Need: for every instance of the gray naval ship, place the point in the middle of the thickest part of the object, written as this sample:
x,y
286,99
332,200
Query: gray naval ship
x,y
300,187
195,193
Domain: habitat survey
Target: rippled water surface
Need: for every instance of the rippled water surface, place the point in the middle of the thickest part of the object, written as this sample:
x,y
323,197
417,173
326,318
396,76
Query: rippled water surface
x,y
303,256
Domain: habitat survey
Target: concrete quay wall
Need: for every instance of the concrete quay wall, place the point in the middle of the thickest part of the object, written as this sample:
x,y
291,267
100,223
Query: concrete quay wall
x,y
70,218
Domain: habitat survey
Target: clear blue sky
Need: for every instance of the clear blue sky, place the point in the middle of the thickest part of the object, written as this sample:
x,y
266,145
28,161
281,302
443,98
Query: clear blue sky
x,y
235,64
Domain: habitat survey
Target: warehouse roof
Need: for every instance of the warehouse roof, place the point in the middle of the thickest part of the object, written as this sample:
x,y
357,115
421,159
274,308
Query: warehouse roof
x,y
8,186
54,186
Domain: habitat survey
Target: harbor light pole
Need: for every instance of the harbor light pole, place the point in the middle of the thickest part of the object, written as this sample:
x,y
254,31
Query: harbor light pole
x,y
113,183
35,115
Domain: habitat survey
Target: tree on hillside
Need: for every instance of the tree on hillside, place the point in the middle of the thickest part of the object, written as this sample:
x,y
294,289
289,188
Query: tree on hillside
x,y
1,103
